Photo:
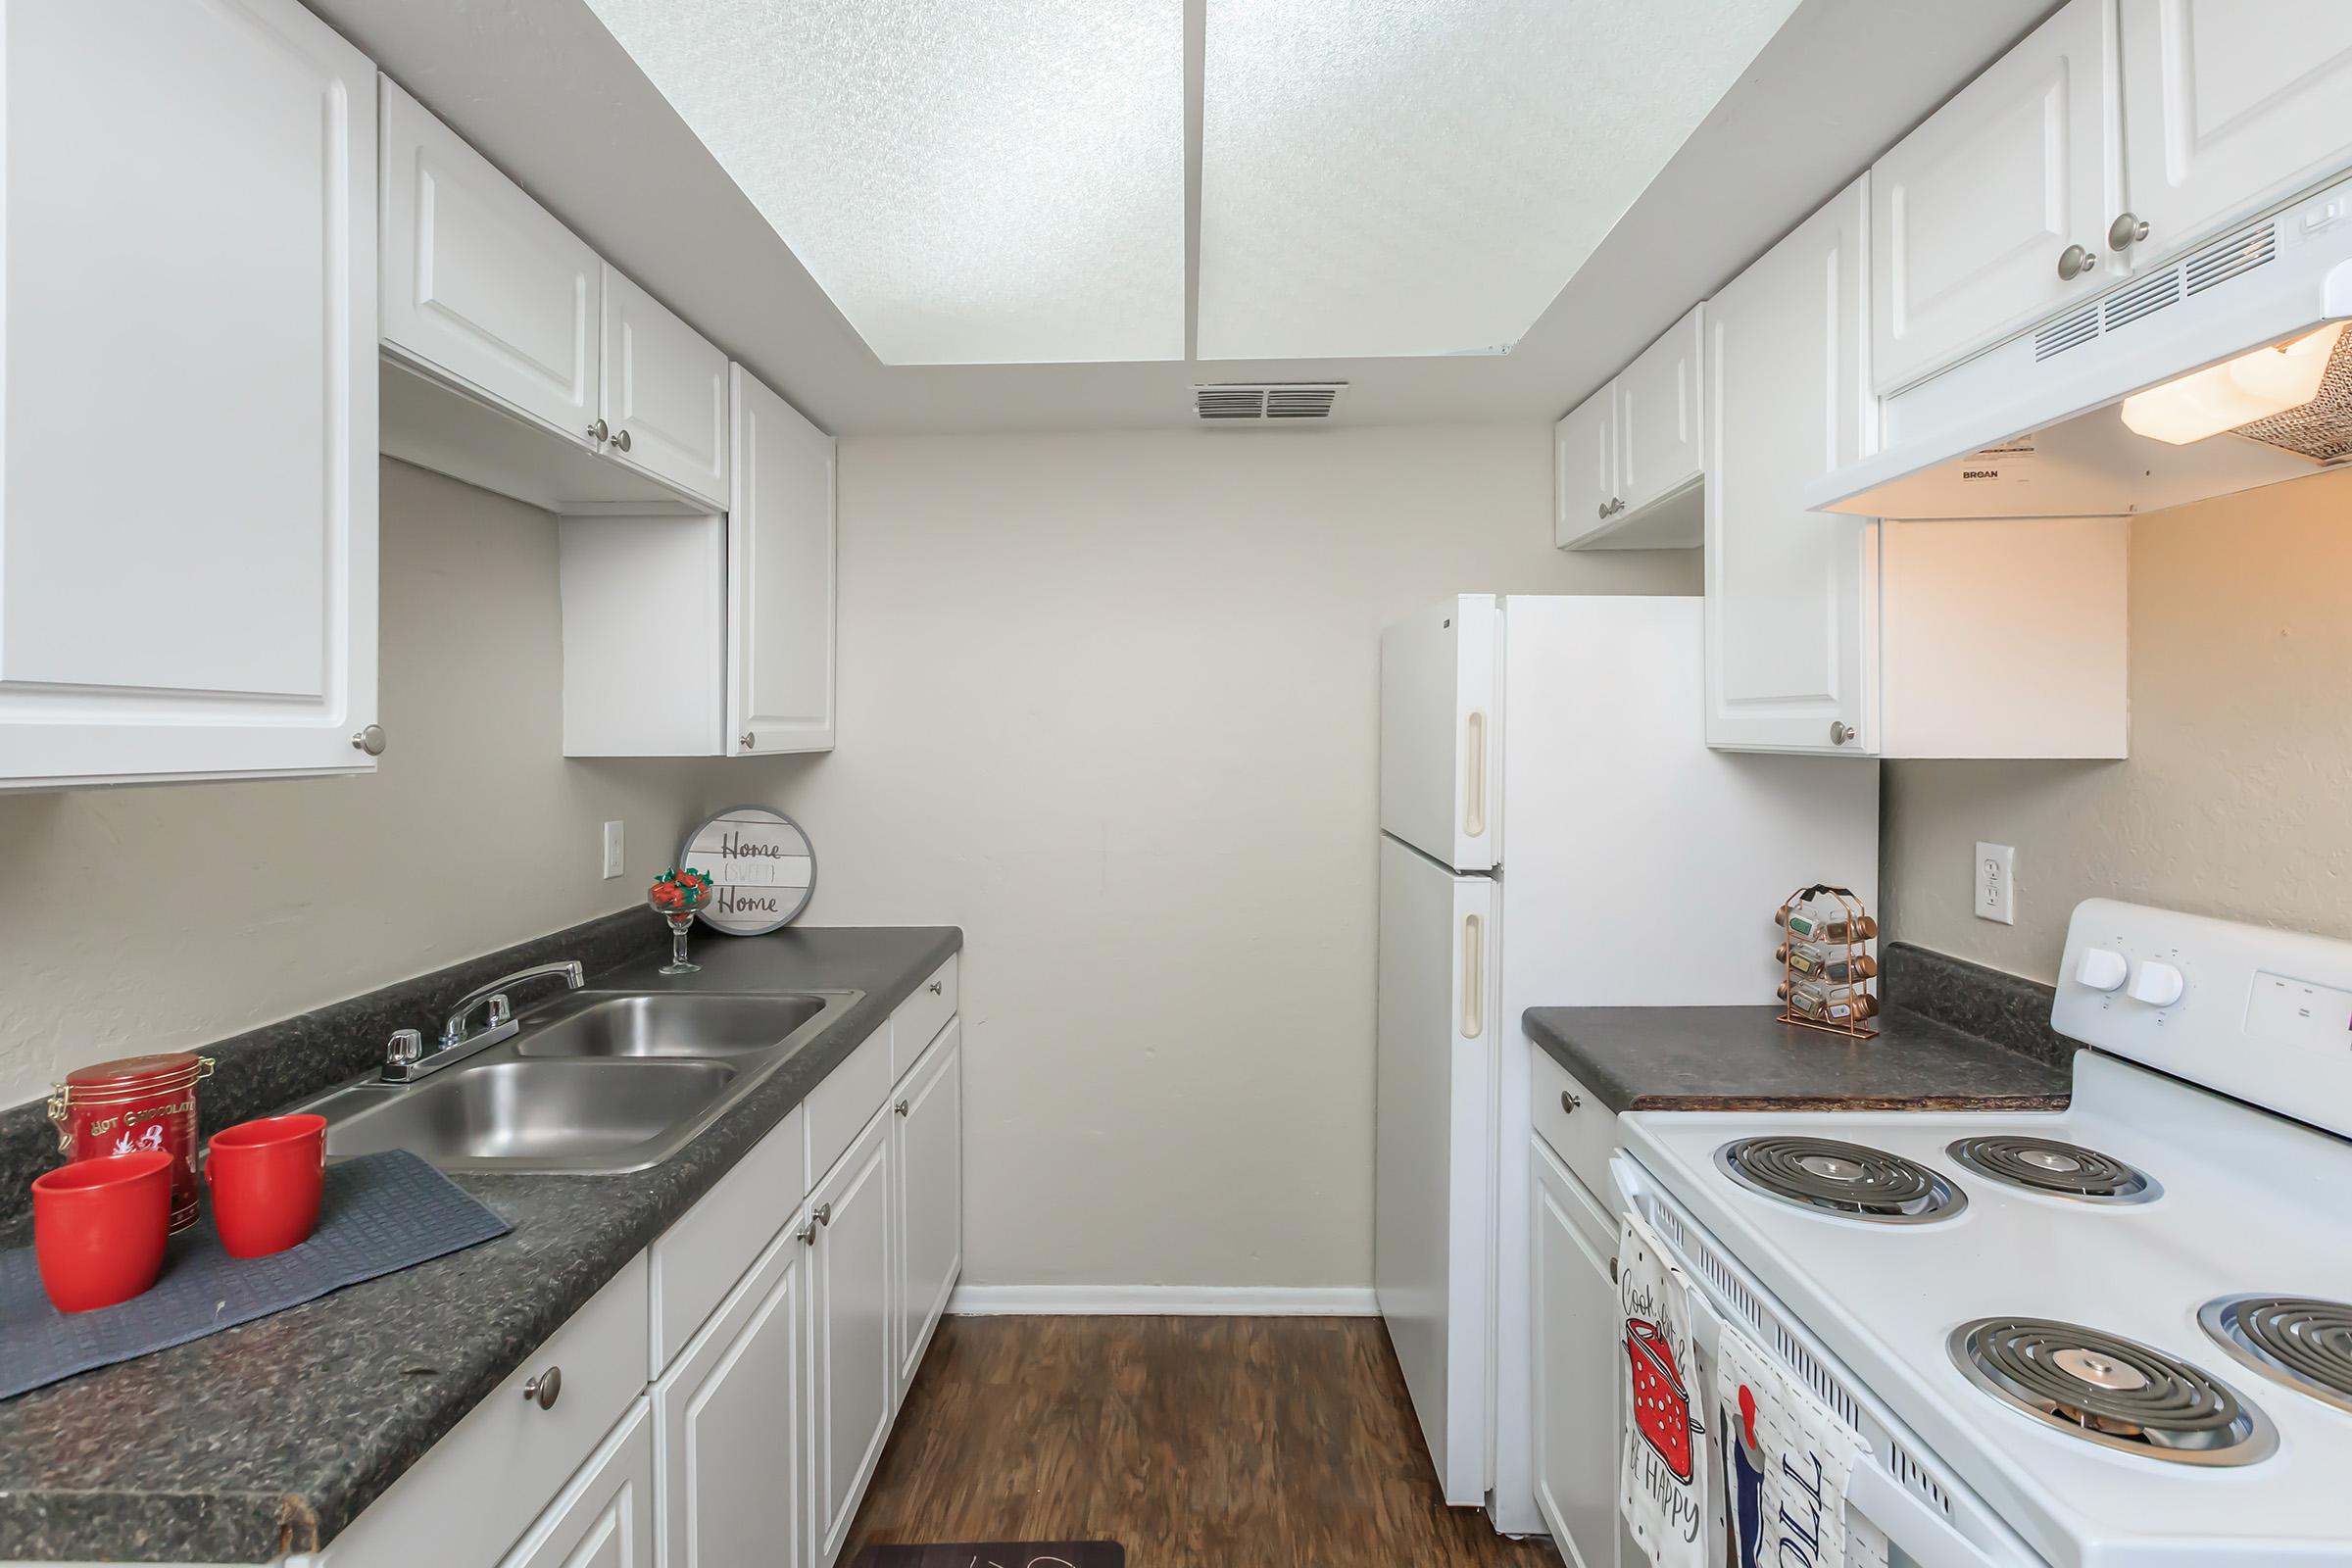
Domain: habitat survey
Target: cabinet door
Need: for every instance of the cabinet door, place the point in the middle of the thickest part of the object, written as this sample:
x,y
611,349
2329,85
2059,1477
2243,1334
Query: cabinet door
x,y
663,391
605,1518
928,1110
1584,450
1578,1373
731,1424
188,460
1658,450
481,284
2229,107
853,1349
780,577
1973,212
1789,591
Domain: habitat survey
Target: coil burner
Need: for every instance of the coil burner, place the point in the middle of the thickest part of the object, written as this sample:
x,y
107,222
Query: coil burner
x,y
2111,1391
2062,1170
1850,1180
2294,1341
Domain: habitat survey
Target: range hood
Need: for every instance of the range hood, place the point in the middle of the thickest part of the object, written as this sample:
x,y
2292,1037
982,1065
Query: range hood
x,y
2048,424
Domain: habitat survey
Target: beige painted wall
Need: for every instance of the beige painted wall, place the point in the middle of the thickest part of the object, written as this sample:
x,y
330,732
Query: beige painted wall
x,y
138,919
1109,703
2236,800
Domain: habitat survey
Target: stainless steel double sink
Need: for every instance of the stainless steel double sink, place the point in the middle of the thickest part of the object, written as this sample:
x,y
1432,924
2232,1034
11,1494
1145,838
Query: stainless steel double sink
x,y
596,1082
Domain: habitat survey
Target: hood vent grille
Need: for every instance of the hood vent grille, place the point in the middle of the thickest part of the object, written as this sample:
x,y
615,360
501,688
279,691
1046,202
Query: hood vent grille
x,y
2214,265
1229,402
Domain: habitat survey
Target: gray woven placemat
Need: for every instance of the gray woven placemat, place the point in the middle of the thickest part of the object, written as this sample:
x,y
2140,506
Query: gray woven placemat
x,y
380,1214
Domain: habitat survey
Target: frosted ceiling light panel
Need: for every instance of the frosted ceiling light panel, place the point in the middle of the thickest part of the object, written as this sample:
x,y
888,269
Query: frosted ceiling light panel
x,y
1421,176
983,182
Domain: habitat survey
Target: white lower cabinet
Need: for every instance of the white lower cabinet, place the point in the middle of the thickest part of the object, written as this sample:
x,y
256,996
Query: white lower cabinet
x,y
731,1425
605,1519
927,1147
853,1387
1578,1368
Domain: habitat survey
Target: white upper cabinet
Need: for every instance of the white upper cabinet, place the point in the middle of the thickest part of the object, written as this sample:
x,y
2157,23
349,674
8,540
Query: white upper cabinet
x,y
1629,460
1790,593
1996,210
1659,417
664,390
479,283
780,577
188,468
2227,107
1584,453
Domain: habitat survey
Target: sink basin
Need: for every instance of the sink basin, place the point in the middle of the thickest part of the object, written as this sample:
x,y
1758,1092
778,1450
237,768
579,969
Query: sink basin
x,y
592,1083
549,1113
673,1025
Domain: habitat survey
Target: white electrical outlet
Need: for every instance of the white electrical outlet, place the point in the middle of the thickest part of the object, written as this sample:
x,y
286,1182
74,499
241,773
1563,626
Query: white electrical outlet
x,y
1996,883
611,849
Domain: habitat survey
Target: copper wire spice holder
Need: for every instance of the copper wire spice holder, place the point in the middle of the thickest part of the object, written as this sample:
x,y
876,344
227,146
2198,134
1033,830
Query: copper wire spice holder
x,y
1861,968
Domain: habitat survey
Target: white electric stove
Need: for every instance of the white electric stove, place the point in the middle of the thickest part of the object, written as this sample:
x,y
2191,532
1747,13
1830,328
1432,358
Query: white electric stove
x,y
2114,1336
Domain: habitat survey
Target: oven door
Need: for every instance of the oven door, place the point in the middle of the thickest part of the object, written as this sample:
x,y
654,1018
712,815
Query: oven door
x,y
1931,1521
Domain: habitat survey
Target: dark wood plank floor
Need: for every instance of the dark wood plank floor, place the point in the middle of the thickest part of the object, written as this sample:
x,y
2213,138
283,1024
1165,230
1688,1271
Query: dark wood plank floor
x,y
1198,1442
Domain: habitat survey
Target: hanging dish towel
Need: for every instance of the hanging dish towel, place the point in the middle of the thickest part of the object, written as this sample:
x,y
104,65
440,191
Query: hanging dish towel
x,y
1663,1490
1786,1460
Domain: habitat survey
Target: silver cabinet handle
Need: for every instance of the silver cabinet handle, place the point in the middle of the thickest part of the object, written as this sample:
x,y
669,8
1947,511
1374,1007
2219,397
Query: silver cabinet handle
x,y
369,740
1604,511
748,737
822,1214
900,1108
544,1390
2075,261
1474,977
808,1234
935,987
1569,1101
1612,1271
620,439
2128,230
599,433
1841,732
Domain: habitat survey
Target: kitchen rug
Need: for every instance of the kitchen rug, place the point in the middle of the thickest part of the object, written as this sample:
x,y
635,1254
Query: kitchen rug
x,y
999,1555
379,1213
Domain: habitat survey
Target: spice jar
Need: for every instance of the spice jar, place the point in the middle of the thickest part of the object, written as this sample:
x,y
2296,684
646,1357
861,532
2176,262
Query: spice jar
x,y
119,1107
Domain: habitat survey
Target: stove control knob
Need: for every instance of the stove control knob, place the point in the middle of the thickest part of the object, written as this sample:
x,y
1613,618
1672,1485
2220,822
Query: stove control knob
x,y
2158,985
2102,969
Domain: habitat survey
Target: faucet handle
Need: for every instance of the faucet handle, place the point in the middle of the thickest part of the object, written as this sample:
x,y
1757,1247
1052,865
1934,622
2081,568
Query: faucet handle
x,y
405,1046
501,1010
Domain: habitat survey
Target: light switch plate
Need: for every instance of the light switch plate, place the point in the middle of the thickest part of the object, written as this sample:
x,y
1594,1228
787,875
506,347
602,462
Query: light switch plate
x,y
1996,878
612,850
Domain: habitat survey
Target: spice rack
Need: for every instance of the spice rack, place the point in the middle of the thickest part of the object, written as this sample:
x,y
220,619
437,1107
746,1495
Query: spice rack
x,y
1827,965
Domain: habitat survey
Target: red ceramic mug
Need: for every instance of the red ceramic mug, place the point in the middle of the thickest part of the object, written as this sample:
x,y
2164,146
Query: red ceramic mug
x,y
266,1178
99,1227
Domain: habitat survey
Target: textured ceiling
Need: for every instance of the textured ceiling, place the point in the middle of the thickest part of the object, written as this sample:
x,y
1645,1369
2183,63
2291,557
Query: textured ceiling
x,y
1421,176
987,181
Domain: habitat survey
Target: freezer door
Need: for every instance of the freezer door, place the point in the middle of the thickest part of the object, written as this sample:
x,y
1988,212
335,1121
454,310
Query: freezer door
x,y
1441,685
1434,1164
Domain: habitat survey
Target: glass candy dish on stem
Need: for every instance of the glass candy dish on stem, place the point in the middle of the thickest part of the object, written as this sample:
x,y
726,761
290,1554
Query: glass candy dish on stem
x,y
675,896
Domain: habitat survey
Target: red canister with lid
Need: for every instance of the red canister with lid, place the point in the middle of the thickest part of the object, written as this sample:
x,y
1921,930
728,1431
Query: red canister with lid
x,y
119,1107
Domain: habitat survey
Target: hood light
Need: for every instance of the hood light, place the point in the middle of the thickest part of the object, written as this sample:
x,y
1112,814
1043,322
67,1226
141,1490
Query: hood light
x,y
2222,397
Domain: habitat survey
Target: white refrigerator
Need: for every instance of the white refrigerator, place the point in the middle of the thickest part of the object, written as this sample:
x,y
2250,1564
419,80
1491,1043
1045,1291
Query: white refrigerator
x,y
1554,832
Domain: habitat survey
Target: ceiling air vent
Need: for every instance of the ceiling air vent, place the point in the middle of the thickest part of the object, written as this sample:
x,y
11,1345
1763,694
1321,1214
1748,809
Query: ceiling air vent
x,y
1260,402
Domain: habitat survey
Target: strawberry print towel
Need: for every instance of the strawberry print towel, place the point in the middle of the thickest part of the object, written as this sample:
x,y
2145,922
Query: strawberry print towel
x,y
1663,1490
1786,1460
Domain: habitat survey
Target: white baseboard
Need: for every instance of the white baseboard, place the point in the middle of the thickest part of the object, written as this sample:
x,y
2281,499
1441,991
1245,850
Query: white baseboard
x,y
1172,1300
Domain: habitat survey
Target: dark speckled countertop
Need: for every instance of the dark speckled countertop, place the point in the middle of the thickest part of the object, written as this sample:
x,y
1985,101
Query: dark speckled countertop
x,y
1953,1037
270,1437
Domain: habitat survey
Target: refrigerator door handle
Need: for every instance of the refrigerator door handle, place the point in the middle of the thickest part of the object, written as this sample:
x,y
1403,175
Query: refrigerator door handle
x,y
1474,751
1474,977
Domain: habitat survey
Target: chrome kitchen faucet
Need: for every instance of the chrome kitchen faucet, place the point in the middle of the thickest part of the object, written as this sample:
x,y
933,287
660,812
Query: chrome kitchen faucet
x,y
405,1057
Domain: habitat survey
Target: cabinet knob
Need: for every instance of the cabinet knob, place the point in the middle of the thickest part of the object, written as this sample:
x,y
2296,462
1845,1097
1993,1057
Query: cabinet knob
x,y
808,1234
900,1108
1842,733
1603,511
748,738
935,987
2128,230
369,740
822,1214
544,1390
2075,261
1612,1271
620,439
599,433
1569,1101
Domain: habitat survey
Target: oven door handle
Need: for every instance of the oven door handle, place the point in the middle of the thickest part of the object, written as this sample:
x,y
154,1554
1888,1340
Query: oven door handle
x,y
1927,1537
